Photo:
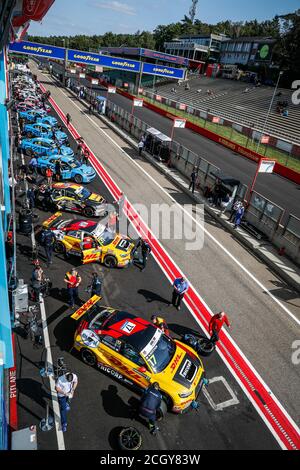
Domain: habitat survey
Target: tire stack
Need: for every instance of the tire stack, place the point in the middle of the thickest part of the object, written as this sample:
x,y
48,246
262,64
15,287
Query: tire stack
x,y
25,221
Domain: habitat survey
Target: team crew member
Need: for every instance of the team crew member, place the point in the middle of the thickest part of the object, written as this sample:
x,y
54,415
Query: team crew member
x,y
141,146
68,118
180,286
119,204
193,180
215,325
37,278
96,286
73,280
58,170
161,324
65,387
86,156
149,404
48,241
49,174
145,251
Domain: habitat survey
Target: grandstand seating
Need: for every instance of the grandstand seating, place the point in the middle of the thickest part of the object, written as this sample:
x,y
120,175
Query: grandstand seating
x,y
230,101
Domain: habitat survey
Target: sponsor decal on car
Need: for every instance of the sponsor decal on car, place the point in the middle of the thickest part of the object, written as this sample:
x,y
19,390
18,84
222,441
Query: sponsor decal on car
x,y
175,362
85,307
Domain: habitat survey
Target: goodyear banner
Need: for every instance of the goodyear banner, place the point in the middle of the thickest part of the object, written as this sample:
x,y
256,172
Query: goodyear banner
x,y
164,57
41,50
104,61
162,71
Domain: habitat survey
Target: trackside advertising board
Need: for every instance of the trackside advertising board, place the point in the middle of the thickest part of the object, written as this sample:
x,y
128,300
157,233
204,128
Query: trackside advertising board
x,y
41,50
89,58
162,71
104,60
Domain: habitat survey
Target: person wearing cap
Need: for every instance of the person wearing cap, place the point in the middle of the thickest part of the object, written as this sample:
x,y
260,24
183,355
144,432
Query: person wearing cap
x,y
160,323
215,325
180,287
65,387
73,280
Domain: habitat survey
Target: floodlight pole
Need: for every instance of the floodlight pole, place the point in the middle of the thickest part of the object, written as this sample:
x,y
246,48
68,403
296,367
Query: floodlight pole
x,y
269,110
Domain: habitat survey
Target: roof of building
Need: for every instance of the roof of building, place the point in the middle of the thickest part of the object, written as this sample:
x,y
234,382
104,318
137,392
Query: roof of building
x,y
258,39
200,35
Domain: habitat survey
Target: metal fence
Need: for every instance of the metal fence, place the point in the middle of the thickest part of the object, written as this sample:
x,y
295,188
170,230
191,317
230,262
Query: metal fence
x,y
292,231
264,214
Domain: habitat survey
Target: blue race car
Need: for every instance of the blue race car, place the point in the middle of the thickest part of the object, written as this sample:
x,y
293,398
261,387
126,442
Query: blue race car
x,y
43,146
71,169
32,115
39,129
50,120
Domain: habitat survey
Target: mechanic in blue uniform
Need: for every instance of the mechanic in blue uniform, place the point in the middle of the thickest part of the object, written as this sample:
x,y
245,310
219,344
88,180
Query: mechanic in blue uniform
x,y
180,286
96,285
149,404
145,252
48,241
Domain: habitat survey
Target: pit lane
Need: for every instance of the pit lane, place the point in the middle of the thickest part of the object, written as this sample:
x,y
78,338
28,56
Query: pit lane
x,y
101,404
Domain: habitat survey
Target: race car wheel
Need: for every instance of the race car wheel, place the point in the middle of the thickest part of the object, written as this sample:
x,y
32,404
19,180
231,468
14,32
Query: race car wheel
x,y
162,410
59,247
110,261
29,135
28,152
205,347
78,179
130,439
88,357
88,212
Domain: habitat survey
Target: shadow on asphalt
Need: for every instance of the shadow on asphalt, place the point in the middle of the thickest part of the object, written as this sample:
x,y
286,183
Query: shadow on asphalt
x,y
152,296
33,390
113,404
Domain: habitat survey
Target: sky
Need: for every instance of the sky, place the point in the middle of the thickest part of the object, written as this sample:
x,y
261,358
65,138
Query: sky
x,y
71,17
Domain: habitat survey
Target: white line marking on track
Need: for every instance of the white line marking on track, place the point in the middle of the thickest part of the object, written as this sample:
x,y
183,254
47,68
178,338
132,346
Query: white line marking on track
x,y
204,327
230,255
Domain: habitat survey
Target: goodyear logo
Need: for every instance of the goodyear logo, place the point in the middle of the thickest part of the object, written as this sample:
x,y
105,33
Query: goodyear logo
x,y
164,71
37,49
87,57
123,64
85,307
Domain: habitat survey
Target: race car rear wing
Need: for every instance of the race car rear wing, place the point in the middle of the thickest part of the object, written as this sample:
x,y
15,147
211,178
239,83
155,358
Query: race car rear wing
x,y
85,307
49,222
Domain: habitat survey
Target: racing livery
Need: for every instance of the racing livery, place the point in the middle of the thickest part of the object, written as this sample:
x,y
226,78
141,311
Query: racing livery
x,y
71,169
136,352
75,198
50,120
32,114
39,129
91,241
43,146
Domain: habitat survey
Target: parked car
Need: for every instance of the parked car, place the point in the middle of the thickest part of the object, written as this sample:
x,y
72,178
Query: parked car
x,y
72,169
42,146
32,115
39,129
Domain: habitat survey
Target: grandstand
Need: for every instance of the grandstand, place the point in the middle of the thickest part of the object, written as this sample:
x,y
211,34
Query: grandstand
x,y
229,100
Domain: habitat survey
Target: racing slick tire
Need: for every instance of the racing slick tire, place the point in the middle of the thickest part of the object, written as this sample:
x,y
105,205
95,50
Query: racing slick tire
x,y
28,152
88,211
78,179
110,261
60,248
129,439
88,357
205,347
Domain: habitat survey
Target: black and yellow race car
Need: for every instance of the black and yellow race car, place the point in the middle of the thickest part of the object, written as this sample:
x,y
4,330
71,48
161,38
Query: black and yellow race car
x,y
73,197
136,352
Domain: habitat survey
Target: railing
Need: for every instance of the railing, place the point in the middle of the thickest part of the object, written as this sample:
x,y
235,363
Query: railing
x,y
263,214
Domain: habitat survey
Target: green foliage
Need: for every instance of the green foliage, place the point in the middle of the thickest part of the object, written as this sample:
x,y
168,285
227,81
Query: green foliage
x,y
285,28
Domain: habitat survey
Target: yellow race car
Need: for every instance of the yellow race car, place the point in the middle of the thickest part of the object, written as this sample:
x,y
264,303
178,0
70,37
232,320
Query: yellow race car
x,y
136,352
91,241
